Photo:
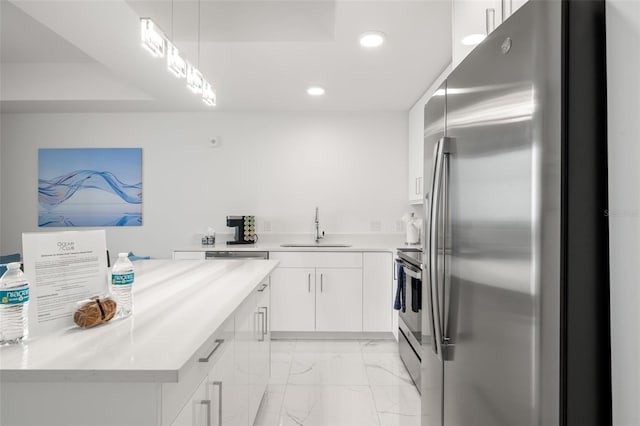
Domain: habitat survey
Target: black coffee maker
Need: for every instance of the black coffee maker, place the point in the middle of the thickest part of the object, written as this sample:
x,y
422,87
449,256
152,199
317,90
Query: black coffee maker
x,y
245,232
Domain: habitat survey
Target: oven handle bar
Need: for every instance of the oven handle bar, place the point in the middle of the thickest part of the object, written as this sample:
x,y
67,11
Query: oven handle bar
x,y
410,270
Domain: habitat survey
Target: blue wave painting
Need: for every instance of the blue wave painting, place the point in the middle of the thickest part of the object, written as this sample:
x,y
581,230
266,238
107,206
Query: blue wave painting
x,y
90,187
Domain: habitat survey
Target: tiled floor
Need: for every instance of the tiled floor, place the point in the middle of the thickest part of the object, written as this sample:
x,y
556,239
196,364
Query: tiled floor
x,y
338,383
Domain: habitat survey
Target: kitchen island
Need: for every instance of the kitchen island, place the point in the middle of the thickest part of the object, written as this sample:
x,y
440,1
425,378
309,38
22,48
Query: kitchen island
x,y
198,329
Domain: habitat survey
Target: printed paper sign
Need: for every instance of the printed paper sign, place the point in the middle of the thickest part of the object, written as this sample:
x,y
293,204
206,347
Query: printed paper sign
x,y
62,268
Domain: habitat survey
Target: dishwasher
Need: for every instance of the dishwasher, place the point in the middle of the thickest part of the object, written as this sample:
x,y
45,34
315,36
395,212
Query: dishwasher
x,y
209,255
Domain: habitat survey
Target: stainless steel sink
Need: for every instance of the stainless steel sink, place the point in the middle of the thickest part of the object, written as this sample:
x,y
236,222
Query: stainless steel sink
x,y
320,245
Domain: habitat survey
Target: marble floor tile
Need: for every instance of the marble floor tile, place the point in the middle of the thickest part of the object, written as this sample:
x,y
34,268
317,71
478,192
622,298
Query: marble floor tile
x,y
281,356
283,346
384,346
329,406
386,369
331,346
397,405
328,369
269,413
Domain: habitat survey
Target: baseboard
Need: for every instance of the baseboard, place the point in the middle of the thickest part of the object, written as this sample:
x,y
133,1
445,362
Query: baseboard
x,y
332,335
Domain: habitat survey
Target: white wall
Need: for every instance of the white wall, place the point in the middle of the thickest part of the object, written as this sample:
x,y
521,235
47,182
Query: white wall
x,y
276,166
623,73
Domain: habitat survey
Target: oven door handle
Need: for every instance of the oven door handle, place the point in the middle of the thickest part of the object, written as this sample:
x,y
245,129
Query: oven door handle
x,y
410,270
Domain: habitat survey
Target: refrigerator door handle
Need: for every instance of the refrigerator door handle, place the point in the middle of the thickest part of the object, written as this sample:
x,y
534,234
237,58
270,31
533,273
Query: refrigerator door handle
x,y
426,277
441,149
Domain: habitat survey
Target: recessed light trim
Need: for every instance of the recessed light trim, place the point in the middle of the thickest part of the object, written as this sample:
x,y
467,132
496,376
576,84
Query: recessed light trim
x,y
473,39
372,39
315,90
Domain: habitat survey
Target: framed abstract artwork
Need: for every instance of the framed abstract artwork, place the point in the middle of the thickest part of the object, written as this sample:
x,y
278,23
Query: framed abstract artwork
x,y
90,187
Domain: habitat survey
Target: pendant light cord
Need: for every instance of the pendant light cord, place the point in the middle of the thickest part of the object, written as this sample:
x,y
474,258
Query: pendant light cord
x,y
198,33
172,39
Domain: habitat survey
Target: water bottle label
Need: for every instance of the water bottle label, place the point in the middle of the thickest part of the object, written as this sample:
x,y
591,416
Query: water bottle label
x,y
15,296
122,279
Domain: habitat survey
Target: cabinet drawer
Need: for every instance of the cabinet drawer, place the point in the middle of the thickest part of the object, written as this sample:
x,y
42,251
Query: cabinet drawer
x,y
175,395
317,260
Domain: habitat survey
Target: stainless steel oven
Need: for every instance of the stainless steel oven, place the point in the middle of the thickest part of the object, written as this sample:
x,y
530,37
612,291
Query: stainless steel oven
x,y
409,268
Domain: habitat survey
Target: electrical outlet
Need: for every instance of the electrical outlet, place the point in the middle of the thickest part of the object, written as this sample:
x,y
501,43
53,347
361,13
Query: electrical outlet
x,y
267,226
375,226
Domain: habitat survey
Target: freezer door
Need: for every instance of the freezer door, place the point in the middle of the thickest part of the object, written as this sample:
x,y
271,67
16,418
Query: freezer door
x,y
490,303
432,364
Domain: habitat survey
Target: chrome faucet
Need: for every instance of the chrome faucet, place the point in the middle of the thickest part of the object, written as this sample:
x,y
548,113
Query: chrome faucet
x,y
317,233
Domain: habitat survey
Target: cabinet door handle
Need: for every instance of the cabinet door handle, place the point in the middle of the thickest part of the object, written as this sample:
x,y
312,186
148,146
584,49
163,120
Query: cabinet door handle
x,y
263,288
207,405
490,15
265,321
219,342
309,282
219,384
321,283
507,8
262,333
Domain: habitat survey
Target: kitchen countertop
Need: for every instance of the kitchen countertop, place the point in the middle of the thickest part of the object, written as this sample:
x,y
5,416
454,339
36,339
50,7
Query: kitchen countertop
x,y
178,305
358,242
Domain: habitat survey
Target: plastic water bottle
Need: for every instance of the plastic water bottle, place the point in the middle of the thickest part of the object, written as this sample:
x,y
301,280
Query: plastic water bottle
x,y
14,305
121,282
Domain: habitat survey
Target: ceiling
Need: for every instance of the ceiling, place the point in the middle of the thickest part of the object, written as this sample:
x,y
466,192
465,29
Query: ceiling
x,y
260,55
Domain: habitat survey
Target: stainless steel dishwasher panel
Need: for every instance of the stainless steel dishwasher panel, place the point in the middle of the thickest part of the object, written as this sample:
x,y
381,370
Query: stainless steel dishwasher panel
x,y
226,254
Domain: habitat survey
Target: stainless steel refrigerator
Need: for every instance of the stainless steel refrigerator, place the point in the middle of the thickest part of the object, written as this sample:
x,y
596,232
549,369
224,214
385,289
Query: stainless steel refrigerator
x,y
516,253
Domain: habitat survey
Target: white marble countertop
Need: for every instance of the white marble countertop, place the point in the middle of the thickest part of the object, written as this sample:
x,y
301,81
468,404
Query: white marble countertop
x,y
356,242
178,305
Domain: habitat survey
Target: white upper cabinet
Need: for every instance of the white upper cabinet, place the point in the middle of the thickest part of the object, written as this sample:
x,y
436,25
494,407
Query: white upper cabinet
x,y
416,178
473,19
417,185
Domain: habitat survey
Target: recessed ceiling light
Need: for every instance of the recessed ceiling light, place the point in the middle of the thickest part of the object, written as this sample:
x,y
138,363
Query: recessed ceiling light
x,y
315,91
371,39
473,39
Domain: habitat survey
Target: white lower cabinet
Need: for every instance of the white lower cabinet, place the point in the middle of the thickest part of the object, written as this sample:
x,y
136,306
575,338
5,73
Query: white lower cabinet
x,y
198,410
260,350
293,299
325,292
232,391
338,299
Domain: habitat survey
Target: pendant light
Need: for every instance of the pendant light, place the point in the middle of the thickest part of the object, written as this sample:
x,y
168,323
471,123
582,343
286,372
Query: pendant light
x,y
154,40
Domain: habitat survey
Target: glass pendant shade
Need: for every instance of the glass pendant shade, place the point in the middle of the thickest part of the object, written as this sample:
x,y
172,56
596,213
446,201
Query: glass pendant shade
x,y
151,38
194,79
175,63
208,95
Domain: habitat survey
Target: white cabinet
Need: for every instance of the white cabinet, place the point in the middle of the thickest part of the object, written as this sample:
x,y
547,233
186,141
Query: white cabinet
x,y
377,292
317,292
259,350
332,292
472,19
293,299
339,299
227,402
418,183
477,18
515,5
416,152
197,410
239,368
